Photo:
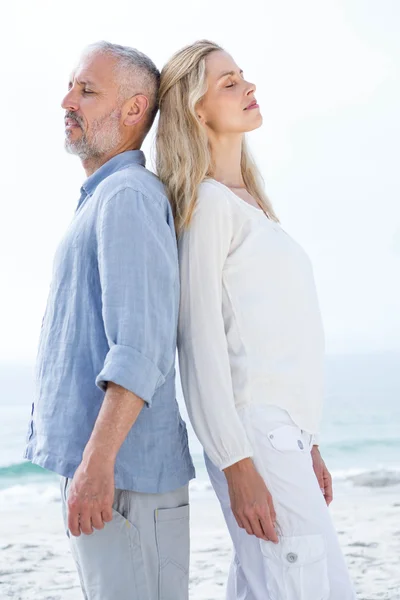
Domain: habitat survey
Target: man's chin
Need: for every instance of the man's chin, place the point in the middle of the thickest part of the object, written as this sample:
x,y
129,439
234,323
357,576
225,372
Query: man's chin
x,y
70,148
76,149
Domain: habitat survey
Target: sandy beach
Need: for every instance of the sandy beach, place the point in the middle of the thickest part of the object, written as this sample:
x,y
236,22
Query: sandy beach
x,y
35,562
360,445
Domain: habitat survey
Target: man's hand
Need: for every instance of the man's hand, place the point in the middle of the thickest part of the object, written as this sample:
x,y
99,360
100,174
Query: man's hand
x,y
91,496
251,501
323,475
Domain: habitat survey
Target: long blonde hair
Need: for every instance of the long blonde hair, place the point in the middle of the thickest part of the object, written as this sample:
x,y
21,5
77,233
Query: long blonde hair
x,y
183,154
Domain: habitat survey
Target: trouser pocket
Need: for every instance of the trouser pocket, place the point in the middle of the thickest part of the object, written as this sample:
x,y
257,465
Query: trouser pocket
x,y
173,545
296,568
289,438
110,562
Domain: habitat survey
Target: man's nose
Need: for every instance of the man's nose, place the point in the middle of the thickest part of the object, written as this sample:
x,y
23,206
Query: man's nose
x,y
70,102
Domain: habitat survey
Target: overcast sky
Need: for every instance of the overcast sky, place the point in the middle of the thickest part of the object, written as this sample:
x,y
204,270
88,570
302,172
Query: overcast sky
x,y
327,76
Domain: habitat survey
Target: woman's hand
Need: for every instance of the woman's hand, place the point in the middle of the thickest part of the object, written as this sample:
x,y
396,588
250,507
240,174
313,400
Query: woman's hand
x,y
251,501
323,475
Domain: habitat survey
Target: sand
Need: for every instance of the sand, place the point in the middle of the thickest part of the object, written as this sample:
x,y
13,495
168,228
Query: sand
x,y
35,562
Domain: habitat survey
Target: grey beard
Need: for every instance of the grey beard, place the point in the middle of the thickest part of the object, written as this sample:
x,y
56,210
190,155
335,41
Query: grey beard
x,y
105,137
80,148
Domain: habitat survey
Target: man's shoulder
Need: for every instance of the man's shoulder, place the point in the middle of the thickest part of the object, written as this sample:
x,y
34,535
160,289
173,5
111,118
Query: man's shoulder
x,y
136,178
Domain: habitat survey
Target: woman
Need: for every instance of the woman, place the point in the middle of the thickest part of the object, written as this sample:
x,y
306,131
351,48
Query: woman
x,y
250,337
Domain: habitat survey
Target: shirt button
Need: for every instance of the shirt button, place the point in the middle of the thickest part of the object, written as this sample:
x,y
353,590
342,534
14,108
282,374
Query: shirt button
x,y
300,444
292,557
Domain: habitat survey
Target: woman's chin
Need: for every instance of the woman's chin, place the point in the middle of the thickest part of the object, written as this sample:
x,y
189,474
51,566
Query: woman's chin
x,y
254,123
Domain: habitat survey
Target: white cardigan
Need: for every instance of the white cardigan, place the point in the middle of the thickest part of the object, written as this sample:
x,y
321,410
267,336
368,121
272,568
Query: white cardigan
x,y
250,328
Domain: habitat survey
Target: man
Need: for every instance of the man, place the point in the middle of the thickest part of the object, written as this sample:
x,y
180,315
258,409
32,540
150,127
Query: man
x,y
105,416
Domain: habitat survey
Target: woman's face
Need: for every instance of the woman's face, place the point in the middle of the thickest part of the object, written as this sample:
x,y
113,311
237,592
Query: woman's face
x,y
229,105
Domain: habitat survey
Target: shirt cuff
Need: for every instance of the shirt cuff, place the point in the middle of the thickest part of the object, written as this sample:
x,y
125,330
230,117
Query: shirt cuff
x,y
315,439
126,367
234,460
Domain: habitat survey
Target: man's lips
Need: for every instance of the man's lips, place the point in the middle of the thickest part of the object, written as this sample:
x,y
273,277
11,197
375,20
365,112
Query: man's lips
x,y
71,124
252,104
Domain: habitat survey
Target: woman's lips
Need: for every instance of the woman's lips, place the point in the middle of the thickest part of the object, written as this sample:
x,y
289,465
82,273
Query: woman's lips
x,y
252,105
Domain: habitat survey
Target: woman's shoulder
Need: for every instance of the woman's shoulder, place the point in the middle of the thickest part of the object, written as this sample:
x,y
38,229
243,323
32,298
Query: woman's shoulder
x,y
211,195
212,215
211,208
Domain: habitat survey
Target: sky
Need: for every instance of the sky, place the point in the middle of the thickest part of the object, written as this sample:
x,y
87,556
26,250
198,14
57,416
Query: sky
x,y
328,84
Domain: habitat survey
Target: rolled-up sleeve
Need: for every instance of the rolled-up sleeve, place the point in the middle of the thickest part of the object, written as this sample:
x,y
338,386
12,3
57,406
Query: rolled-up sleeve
x,y
139,277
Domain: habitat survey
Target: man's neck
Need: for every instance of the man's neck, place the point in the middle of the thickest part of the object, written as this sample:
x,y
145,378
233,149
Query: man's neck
x,y
91,165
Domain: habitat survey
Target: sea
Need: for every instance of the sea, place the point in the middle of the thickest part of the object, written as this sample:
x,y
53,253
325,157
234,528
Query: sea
x,y
360,433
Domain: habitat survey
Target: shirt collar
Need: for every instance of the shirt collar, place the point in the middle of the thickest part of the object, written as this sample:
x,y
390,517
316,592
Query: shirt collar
x,y
116,163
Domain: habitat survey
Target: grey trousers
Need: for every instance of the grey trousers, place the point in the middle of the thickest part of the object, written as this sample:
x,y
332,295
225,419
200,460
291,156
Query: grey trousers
x,y
142,554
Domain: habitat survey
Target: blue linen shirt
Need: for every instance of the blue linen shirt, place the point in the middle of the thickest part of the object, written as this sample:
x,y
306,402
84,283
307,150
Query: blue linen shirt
x,y
112,315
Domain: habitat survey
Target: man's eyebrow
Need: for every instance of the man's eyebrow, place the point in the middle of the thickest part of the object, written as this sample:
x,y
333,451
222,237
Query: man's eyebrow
x,y
85,82
226,73
81,82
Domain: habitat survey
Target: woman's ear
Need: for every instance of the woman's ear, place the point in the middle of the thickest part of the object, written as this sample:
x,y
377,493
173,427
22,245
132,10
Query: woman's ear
x,y
135,109
200,117
199,113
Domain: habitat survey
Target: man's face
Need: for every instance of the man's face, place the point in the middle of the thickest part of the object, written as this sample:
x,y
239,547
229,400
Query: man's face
x,y
92,108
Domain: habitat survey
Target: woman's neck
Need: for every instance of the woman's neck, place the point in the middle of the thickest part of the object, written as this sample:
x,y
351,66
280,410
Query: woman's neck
x,y
226,155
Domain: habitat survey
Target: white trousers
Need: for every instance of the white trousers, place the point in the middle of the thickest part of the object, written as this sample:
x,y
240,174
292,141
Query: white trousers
x,y
307,564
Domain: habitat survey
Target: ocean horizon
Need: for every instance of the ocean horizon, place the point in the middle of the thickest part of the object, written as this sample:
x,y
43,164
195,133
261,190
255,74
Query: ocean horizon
x,y
360,433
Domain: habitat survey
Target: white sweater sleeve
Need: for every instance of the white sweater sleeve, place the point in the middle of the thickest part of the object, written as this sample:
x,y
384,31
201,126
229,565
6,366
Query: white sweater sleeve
x,y
203,352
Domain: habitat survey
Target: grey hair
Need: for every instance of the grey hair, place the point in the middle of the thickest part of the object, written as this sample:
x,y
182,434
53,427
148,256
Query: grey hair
x,y
136,73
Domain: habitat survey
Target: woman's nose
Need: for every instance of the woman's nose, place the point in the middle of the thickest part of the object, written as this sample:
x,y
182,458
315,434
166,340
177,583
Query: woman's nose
x,y
251,88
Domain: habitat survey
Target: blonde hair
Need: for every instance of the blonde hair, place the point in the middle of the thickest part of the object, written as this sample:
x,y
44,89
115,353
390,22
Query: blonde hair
x,y
183,154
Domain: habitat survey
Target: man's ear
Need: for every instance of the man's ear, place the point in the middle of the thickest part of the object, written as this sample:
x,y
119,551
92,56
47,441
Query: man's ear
x,y
135,108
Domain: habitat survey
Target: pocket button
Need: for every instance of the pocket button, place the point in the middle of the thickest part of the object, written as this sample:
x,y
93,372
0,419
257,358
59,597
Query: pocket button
x,y
292,557
300,444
